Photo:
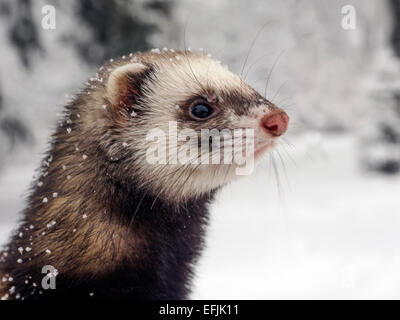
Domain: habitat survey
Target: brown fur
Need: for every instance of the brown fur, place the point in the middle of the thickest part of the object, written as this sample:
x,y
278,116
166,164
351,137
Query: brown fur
x,y
112,211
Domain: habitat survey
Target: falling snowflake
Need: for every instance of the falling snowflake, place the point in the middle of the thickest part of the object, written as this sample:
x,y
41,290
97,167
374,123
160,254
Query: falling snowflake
x,y
49,225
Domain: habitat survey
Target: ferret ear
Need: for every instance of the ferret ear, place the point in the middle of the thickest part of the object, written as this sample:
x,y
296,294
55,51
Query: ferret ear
x,y
123,85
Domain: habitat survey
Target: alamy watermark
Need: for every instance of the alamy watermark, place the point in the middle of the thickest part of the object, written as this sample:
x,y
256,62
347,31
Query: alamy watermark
x,y
49,280
210,147
349,20
49,17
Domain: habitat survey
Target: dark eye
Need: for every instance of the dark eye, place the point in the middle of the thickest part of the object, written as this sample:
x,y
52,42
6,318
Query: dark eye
x,y
201,111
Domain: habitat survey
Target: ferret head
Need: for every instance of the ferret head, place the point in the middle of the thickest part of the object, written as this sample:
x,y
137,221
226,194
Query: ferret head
x,y
179,124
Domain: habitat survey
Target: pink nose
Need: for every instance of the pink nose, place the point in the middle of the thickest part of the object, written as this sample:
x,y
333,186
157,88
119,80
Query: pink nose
x,y
276,124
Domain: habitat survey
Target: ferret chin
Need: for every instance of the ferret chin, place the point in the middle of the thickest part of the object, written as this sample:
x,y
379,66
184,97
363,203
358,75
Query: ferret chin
x,y
110,224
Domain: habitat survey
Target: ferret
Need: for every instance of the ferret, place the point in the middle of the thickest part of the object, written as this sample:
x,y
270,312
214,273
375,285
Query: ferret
x,y
103,220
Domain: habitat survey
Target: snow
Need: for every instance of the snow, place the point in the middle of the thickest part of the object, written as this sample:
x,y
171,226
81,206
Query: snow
x,y
313,66
327,230
14,183
330,232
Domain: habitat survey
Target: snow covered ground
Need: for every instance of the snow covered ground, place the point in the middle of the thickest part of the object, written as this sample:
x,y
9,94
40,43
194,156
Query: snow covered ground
x,y
331,231
14,184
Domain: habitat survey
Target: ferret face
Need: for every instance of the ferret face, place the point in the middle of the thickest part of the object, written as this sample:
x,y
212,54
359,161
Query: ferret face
x,y
184,124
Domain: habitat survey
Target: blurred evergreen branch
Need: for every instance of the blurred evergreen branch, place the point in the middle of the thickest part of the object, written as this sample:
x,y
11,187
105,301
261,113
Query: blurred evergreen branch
x,y
115,29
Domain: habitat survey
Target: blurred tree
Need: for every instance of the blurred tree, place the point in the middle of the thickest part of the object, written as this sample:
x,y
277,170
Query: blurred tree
x,y
116,28
12,130
395,4
381,145
390,130
112,28
23,36
22,32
